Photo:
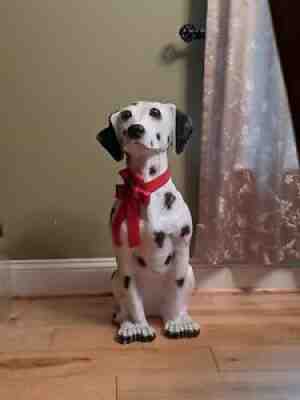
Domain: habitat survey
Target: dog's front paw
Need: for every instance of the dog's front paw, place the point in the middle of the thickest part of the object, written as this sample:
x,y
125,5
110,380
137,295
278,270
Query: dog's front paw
x,y
181,327
130,332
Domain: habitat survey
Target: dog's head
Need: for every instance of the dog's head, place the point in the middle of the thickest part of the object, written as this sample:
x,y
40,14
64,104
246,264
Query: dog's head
x,y
145,128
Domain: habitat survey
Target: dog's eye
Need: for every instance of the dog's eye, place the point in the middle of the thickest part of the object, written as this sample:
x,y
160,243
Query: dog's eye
x,y
125,115
155,113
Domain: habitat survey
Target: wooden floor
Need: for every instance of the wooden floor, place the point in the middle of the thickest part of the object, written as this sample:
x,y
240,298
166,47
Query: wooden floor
x,y
249,349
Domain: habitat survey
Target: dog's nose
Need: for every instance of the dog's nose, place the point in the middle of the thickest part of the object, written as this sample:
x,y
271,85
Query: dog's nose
x,y
136,131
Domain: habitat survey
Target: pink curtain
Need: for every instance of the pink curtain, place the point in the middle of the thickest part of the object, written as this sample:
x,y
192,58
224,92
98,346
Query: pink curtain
x,y
249,199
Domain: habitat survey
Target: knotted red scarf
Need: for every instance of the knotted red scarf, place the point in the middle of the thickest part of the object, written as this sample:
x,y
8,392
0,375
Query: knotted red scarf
x,y
132,194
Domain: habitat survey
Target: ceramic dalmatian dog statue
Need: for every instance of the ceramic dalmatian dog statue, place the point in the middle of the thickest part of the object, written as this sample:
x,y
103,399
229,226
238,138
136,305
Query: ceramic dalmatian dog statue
x,y
151,224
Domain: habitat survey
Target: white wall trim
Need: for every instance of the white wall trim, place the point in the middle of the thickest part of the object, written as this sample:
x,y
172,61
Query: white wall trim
x,y
59,277
92,276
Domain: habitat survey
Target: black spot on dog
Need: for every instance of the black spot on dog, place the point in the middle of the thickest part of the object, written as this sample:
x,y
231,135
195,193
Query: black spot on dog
x,y
185,230
159,238
168,139
151,143
127,280
184,130
113,275
180,282
158,136
169,200
125,115
155,113
152,170
141,261
112,213
168,259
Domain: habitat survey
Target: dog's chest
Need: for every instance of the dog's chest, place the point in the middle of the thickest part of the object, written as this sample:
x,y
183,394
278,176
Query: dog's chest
x,y
164,212
160,227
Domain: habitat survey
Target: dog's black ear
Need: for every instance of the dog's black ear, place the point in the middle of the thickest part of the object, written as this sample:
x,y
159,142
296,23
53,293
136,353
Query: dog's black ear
x,y
184,129
108,138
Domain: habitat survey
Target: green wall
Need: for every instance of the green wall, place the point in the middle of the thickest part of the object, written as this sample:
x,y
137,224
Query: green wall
x,y
65,65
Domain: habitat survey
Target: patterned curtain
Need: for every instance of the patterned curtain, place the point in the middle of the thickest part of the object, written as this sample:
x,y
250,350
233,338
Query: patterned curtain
x,y
249,200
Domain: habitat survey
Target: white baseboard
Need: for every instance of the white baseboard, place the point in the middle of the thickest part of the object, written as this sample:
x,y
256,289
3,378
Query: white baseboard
x,y
92,276
60,277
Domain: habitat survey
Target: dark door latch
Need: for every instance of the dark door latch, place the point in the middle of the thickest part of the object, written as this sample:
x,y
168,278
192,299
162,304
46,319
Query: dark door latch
x,y
189,32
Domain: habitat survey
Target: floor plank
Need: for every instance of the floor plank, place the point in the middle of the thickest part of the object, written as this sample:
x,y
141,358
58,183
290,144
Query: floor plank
x,y
68,311
25,339
57,364
163,385
43,365
87,387
258,358
263,334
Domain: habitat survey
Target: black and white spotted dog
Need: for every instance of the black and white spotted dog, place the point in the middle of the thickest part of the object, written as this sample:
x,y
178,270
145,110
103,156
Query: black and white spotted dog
x,y
154,277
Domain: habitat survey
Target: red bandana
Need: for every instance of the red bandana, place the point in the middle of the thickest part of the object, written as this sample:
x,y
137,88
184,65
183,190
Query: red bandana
x,y
133,193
